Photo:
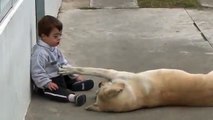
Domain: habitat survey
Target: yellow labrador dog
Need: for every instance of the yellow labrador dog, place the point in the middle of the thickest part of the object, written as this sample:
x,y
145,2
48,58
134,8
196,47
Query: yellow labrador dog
x,y
128,91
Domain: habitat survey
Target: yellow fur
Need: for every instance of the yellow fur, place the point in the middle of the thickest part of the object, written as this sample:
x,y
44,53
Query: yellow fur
x,y
127,91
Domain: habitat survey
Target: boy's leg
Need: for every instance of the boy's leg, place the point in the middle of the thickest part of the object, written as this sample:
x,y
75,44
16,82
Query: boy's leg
x,y
62,94
76,85
69,80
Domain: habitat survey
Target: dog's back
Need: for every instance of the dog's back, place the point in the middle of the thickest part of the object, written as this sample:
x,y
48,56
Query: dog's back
x,y
177,87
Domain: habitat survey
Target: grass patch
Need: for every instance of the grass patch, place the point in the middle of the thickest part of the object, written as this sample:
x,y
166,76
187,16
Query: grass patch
x,y
169,3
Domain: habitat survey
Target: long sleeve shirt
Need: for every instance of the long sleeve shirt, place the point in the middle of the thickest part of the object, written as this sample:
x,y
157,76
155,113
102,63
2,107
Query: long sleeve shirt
x,y
45,61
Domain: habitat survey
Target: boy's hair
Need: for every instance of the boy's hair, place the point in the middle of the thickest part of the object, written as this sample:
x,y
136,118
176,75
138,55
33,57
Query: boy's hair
x,y
47,24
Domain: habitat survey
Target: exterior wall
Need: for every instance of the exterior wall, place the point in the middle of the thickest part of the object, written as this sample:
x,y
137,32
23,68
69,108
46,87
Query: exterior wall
x,y
17,31
17,36
52,7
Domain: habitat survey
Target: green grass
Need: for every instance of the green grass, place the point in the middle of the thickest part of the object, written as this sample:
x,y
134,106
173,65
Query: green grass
x,y
169,3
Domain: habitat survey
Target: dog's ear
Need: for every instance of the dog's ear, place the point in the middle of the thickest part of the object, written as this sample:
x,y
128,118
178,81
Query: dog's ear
x,y
102,83
114,90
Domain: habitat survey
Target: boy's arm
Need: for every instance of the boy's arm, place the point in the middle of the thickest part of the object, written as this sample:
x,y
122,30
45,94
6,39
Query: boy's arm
x,y
62,59
38,73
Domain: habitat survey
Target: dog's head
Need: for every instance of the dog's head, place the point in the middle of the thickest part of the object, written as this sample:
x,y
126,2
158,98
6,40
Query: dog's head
x,y
109,90
107,95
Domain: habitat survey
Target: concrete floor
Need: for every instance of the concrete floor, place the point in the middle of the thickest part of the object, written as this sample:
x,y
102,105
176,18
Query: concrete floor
x,y
132,40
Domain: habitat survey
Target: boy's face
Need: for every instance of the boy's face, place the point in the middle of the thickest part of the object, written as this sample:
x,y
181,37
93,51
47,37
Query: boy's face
x,y
53,39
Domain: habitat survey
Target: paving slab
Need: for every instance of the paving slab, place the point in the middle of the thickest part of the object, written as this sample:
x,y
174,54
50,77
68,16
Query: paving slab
x,y
153,32
207,3
132,40
113,3
204,20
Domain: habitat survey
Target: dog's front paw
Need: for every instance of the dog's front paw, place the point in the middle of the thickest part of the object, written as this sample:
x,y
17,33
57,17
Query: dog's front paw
x,y
62,71
93,107
65,70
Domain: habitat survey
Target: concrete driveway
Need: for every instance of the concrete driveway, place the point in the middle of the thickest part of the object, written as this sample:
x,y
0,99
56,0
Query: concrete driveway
x,y
132,40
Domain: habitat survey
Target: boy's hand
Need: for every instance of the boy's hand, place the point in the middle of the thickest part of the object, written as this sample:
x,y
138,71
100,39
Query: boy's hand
x,y
52,86
79,78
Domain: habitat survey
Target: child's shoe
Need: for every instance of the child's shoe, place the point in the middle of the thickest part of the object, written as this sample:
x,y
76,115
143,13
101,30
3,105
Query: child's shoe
x,y
82,85
80,100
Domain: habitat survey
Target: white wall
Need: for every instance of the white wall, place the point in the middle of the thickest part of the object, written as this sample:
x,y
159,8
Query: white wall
x,y
17,35
52,7
17,31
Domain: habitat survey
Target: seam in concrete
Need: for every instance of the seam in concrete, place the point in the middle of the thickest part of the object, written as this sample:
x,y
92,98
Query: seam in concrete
x,y
197,27
90,3
204,37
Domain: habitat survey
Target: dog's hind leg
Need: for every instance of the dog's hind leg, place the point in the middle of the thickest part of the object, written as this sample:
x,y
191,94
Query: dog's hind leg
x,y
99,72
